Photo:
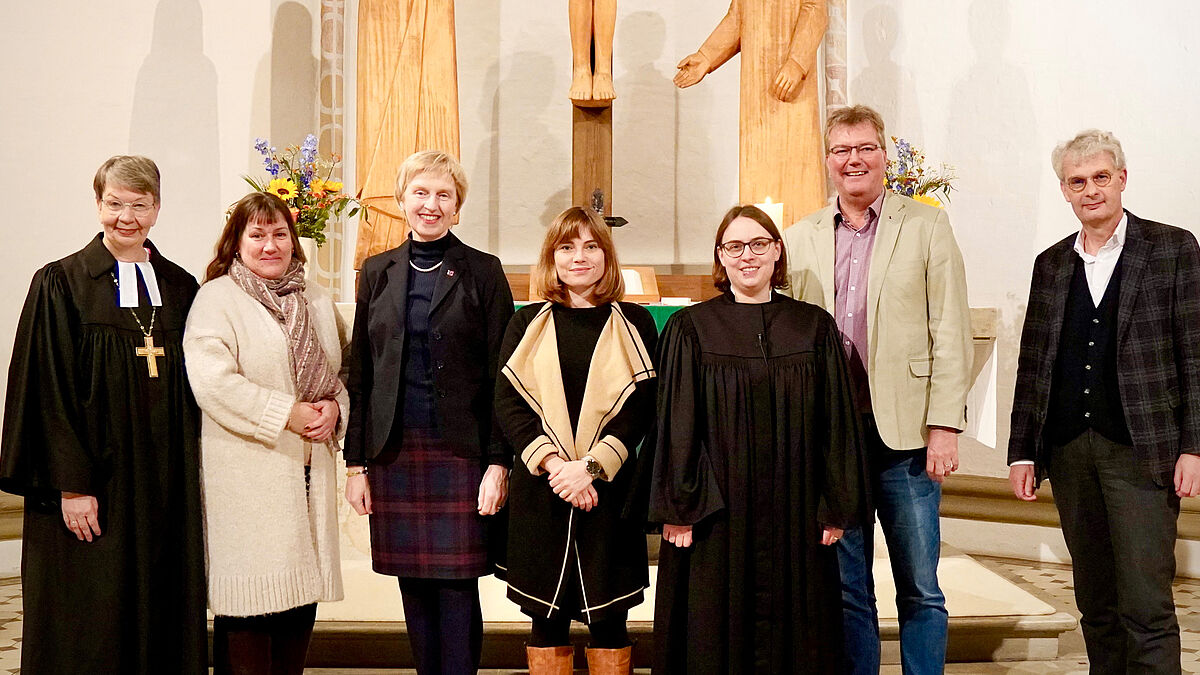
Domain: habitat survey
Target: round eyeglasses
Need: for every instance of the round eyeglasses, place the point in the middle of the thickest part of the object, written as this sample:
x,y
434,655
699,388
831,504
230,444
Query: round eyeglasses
x,y
1078,183
735,248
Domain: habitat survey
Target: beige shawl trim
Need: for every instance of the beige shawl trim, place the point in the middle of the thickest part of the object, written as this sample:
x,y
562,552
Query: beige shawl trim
x,y
619,362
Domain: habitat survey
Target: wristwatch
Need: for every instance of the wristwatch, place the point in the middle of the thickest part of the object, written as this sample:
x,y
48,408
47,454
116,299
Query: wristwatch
x,y
593,467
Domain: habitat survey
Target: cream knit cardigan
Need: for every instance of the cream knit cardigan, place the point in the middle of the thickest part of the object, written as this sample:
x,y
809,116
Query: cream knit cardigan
x,y
269,547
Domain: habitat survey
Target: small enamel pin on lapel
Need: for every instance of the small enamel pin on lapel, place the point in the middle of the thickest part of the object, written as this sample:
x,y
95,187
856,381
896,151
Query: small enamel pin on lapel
x,y
449,273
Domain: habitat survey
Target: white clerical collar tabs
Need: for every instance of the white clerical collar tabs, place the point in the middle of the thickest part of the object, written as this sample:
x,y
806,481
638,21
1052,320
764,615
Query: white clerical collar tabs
x,y
127,283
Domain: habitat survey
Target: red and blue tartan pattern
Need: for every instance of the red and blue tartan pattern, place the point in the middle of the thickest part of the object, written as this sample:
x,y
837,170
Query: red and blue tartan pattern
x,y
424,521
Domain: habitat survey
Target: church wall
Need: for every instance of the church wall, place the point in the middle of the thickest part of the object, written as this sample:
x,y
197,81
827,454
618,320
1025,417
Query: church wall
x,y
987,86
674,152
991,88
189,83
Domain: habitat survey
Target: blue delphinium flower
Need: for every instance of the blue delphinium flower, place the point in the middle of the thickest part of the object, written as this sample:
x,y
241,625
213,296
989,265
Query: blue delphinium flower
x,y
260,144
308,150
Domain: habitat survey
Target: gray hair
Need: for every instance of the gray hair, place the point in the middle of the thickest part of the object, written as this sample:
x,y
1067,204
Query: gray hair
x,y
134,172
1087,143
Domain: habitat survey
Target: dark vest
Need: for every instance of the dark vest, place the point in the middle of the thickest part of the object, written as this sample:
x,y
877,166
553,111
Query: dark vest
x,y
1084,393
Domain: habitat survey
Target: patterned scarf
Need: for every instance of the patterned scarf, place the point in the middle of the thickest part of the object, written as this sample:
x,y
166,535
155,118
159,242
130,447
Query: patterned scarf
x,y
284,299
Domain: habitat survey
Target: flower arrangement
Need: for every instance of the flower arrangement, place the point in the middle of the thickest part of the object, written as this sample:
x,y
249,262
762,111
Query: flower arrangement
x,y
907,175
302,179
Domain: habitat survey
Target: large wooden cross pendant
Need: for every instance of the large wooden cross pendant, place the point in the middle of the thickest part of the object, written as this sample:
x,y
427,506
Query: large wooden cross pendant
x,y
151,352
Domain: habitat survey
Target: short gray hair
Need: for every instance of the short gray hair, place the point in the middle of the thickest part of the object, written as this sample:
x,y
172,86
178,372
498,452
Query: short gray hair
x,y
134,172
1085,144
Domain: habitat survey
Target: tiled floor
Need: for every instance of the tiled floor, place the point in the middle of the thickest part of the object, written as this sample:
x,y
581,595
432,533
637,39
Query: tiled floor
x,y
10,626
1053,584
1048,581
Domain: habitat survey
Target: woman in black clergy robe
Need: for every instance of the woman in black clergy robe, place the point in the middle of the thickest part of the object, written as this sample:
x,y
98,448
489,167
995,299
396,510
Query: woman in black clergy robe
x,y
101,436
757,470
576,399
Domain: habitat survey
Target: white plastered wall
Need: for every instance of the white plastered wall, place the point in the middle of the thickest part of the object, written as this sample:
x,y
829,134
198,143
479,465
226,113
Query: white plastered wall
x,y
989,86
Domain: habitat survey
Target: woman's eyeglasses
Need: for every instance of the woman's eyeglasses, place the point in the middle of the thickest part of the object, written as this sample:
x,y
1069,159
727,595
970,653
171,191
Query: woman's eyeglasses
x,y
735,248
116,206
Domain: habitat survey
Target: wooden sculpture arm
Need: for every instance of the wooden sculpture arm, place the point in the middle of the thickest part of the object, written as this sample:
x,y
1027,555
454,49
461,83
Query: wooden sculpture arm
x,y
807,34
721,45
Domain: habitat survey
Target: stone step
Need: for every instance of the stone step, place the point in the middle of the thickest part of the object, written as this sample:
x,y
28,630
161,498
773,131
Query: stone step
x,y
384,644
991,619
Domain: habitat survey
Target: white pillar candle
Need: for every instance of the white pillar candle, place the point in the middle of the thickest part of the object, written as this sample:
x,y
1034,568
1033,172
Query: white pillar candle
x,y
773,209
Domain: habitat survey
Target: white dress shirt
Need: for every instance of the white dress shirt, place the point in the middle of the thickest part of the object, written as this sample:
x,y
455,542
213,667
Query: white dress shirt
x,y
1098,269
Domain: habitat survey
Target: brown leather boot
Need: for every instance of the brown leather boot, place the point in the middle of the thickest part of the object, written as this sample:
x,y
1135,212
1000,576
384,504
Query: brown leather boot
x,y
550,660
610,661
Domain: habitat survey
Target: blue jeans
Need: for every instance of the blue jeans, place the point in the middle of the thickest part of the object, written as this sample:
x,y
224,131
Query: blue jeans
x,y
906,502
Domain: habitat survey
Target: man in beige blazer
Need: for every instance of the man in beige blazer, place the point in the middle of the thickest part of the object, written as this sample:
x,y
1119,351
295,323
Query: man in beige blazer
x,y
888,269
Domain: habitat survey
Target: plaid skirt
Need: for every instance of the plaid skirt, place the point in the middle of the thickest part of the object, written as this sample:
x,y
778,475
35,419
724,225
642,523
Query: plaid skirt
x,y
424,520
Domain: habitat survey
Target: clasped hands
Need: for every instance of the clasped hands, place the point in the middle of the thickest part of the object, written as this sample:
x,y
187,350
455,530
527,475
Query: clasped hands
x,y
315,421
571,482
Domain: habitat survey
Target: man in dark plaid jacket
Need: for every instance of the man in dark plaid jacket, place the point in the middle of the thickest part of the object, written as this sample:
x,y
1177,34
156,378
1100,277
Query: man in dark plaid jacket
x,y
1107,405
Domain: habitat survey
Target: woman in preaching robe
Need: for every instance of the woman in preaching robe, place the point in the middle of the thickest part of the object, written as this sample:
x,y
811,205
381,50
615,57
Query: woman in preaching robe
x,y
575,400
101,436
757,470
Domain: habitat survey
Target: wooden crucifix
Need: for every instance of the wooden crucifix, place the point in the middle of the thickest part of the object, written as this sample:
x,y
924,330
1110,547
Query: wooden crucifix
x,y
592,92
150,352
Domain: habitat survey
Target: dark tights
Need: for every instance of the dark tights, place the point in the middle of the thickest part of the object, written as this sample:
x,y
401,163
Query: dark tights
x,y
445,624
609,633
270,644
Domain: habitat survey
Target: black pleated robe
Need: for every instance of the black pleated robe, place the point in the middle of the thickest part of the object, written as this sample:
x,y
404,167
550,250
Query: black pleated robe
x,y
83,415
758,445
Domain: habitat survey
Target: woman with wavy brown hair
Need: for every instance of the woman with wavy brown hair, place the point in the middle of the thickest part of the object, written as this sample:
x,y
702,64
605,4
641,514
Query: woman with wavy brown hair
x,y
263,353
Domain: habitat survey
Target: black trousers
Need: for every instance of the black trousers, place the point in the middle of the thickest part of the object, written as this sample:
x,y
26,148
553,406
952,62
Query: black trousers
x,y
1120,529
270,644
445,624
610,633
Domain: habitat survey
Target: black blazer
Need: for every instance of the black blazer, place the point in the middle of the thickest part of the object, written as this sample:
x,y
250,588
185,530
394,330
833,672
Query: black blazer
x,y
1158,346
469,311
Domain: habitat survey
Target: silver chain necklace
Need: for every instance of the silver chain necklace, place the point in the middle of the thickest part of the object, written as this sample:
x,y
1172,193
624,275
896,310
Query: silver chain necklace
x,y
425,269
